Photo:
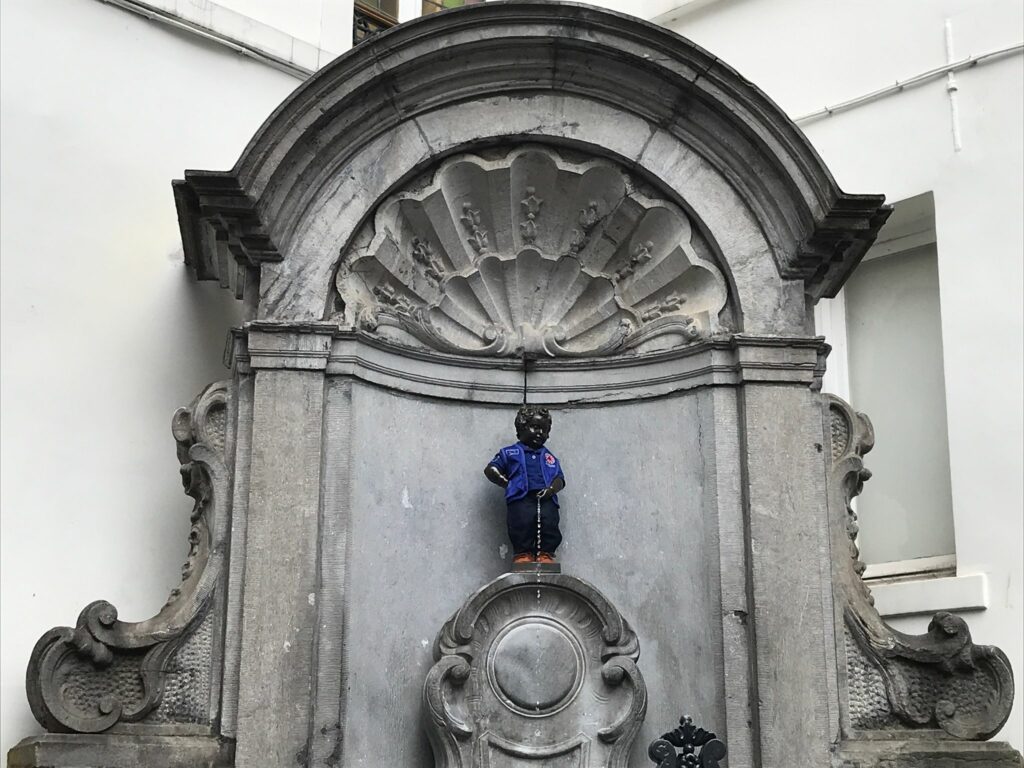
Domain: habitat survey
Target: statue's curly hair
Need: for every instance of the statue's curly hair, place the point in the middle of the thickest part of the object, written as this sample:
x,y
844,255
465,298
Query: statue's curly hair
x,y
528,413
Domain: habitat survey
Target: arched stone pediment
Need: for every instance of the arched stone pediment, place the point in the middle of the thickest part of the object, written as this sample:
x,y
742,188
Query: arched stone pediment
x,y
505,74
519,202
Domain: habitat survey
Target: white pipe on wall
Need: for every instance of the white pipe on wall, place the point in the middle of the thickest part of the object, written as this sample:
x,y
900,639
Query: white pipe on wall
x,y
951,89
173,20
899,85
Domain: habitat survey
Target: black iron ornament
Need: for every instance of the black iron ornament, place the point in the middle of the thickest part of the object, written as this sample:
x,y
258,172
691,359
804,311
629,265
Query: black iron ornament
x,y
700,748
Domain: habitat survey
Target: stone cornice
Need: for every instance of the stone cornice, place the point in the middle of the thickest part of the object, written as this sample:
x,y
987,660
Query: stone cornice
x,y
220,228
726,361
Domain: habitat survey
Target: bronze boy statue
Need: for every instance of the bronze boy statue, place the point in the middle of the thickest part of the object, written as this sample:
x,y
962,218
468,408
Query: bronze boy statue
x,y
530,475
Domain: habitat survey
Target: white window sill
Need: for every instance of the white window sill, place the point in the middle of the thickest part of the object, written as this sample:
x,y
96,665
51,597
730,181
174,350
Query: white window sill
x,y
926,596
918,568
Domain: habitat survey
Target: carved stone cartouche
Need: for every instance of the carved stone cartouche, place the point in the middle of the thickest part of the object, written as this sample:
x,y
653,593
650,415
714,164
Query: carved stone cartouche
x,y
896,682
534,667
103,671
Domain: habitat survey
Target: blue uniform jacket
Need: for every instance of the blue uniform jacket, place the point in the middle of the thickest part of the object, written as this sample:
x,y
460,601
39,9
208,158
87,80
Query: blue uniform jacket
x,y
511,460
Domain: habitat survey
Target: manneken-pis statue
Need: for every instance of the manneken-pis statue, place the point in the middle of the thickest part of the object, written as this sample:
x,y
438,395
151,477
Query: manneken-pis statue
x,y
531,476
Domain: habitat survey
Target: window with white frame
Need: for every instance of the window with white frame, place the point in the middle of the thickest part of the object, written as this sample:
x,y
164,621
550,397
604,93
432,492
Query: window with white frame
x,y
433,6
886,334
371,17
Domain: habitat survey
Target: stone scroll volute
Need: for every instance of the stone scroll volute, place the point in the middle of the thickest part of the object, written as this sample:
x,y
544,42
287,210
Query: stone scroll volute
x,y
534,670
104,672
896,683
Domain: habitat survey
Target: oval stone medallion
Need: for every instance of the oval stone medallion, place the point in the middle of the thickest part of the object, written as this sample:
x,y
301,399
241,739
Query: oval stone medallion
x,y
535,666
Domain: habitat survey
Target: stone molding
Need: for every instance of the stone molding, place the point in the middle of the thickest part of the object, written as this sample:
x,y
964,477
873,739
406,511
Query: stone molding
x,y
381,113
581,695
926,753
221,232
896,684
724,361
105,672
54,750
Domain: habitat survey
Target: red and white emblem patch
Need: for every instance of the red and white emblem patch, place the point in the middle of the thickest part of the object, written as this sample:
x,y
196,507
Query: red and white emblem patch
x,y
550,460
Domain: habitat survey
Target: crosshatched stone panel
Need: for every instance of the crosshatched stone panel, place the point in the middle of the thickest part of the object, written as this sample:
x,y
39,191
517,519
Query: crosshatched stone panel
x,y
530,251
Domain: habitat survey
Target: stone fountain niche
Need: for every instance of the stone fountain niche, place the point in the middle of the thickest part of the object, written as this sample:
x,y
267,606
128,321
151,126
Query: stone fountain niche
x,y
514,200
524,251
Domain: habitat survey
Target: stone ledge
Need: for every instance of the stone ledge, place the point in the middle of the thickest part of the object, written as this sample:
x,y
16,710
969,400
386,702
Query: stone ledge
x,y
927,596
536,568
722,361
926,753
58,750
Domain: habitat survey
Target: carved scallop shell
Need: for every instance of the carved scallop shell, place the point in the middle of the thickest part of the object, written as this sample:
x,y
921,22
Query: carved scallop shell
x,y
530,253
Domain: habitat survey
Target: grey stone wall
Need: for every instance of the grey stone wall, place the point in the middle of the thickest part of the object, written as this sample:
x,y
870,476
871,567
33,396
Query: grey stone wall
x,y
638,516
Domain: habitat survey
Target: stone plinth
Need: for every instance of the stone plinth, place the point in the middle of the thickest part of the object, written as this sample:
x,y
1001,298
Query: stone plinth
x,y
927,753
536,568
121,751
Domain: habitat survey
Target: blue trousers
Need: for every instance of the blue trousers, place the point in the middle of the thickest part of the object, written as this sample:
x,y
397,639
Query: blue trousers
x,y
522,526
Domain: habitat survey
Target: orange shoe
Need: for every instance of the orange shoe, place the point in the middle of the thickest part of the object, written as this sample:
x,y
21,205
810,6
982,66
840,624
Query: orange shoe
x,y
546,557
522,557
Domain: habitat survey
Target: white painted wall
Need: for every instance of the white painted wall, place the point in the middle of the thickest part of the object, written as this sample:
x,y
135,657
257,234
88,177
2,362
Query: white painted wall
x,y
806,54
321,22
103,332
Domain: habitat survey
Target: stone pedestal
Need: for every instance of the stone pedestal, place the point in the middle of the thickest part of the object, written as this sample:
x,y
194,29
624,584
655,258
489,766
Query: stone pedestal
x,y
536,568
121,751
927,753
